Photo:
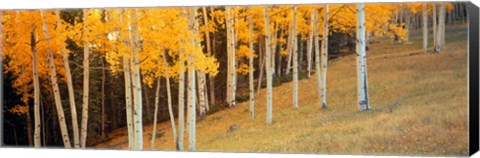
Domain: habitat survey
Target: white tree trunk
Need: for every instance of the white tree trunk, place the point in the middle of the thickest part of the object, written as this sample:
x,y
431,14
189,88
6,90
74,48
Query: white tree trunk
x,y
36,91
201,94
361,60
128,104
425,27
209,52
169,97
191,81
231,77
310,44
181,101
137,85
317,57
295,59
56,90
268,68
290,48
68,75
86,77
325,58
251,69
155,113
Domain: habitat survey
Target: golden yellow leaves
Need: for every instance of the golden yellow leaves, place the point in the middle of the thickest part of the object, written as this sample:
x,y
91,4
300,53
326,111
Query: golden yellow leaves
x,y
19,110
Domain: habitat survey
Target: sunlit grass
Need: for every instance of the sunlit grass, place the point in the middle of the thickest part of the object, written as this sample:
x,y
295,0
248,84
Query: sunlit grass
x,y
419,101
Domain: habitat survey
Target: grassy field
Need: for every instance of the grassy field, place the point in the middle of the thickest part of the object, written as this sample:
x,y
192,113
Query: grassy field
x,y
419,101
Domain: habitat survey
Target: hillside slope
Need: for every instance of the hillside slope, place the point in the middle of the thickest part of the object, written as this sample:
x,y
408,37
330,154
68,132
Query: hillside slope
x,y
420,103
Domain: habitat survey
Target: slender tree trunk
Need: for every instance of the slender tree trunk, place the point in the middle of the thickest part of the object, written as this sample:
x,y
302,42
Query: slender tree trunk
x,y
209,52
325,58
295,60
310,45
262,64
155,114
36,90
231,77
407,23
73,107
361,60
28,119
191,81
251,69
56,91
181,102
425,27
169,99
274,48
201,94
268,68
317,56
86,77
128,104
137,85
290,48
439,31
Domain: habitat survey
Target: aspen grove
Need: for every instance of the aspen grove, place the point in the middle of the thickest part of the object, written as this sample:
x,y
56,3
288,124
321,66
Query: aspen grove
x,y
81,75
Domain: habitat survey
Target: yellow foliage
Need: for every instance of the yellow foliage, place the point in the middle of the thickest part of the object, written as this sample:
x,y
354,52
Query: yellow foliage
x,y
19,110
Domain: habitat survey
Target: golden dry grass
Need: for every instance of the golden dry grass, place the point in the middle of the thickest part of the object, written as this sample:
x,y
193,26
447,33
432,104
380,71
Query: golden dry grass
x,y
420,104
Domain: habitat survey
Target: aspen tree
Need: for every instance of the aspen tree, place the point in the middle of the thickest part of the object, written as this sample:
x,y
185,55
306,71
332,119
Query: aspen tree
x,y
425,27
361,60
191,80
324,58
295,59
231,68
310,45
268,68
56,90
169,99
86,77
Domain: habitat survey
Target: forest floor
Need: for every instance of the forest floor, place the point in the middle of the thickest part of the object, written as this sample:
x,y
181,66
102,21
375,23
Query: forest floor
x,y
419,101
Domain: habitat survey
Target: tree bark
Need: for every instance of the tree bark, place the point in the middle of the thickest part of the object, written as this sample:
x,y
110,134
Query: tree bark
x,y
73,107
191,81
317,57
86,76
155,114
56,91
128,99
209,52
325,58
169,99
181,101
295,59
310,45
268,68
251,69
137,85
361,60
425,27
36,90
231,77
